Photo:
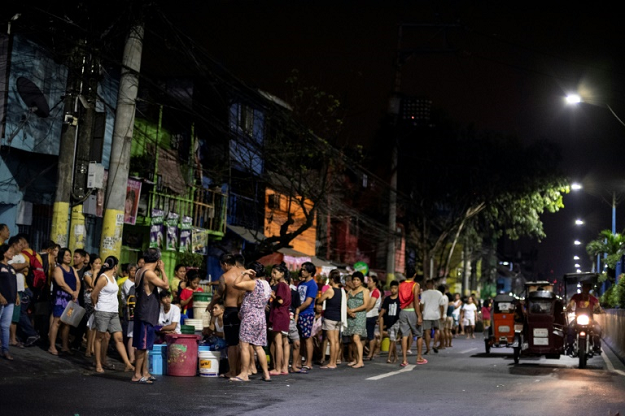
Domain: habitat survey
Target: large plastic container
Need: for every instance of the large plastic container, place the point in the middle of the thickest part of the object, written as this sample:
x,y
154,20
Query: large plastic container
x,y
208,362
158,360
187,329
182,352
200,312
202,297
73,313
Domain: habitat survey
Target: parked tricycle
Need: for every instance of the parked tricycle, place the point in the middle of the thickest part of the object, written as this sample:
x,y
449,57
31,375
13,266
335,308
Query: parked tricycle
x,y
501,331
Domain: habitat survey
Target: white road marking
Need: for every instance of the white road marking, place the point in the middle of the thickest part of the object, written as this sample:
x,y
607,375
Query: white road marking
x,y
409,367
610,366
469,350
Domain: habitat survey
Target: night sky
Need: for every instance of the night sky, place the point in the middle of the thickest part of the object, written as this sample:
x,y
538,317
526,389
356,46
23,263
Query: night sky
x,y
509,71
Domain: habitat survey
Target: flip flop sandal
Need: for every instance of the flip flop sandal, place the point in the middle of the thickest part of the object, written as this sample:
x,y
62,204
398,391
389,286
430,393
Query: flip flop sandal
x,y
238,379
142,380
424,361
299,372
403,364
305,367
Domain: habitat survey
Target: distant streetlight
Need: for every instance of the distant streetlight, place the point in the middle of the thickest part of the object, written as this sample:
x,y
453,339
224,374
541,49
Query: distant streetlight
x,y
579,222
576,258
576,186
577,265
577,242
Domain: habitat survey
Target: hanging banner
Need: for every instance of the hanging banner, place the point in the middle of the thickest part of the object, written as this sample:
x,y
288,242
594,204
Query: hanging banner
x,y
133,192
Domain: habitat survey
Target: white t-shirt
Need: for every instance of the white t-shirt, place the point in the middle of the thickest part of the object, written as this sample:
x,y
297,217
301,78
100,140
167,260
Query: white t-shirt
x,y
469,311
21,280
431,300
445,305
168,318
126,286
375,311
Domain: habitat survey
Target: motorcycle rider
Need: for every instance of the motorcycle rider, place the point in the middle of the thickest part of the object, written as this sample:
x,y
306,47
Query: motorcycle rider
x,y
587,303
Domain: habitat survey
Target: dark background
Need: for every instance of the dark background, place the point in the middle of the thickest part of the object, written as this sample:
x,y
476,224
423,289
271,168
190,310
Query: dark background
x,y
509,70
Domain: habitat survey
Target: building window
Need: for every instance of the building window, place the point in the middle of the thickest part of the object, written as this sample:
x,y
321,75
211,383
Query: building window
x,y
273,202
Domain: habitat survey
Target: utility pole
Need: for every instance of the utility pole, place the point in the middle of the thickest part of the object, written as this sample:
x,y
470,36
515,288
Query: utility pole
x,y
61,207
87,98
395,107
122,139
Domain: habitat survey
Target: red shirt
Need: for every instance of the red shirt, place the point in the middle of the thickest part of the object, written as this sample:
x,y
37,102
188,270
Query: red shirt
x,y
406,294
186,294
581,303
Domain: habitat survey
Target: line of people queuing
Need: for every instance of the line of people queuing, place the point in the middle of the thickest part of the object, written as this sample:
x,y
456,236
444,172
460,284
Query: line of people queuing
x,y
296,317
299,319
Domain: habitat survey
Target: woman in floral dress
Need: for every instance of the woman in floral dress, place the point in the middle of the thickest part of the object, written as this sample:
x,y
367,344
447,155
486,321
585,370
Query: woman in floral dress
x,y
253,330
357,301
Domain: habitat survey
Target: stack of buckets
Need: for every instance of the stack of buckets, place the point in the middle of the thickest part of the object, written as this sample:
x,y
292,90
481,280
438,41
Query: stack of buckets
x,y
208,360
201,300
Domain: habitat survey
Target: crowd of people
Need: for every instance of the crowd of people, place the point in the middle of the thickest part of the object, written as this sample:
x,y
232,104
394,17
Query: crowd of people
x,y
296,319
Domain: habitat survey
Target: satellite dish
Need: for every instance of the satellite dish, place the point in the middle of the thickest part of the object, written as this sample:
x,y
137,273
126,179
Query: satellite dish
x,y
33,97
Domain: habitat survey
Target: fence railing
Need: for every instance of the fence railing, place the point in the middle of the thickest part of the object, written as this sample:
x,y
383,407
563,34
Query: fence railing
x,y
613,327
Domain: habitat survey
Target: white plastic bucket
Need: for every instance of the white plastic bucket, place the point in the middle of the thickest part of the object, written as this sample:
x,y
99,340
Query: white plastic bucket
x,y
209,363
197,323
199,312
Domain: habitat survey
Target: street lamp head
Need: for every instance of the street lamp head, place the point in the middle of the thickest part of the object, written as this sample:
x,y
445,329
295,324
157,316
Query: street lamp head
x,y
577,242
579,222
577,265
573,99
576,186
576,258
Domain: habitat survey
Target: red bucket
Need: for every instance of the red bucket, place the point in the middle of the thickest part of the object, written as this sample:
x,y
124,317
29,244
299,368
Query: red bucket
x,y
182,354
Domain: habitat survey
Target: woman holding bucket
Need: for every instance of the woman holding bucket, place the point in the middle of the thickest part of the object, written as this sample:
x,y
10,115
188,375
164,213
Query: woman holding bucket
x,y
253,324
106,306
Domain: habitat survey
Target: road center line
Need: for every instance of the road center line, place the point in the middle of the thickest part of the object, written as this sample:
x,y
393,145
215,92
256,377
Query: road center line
x,y
409,367
469,350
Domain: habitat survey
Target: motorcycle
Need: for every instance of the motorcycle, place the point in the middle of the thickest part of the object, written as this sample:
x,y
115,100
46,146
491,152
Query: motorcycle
x,y
583,347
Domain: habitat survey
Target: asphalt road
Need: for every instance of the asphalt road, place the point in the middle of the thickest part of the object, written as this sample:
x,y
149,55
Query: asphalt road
x,y
459,381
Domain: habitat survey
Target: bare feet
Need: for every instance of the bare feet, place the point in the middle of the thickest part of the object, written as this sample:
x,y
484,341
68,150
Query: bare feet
x,y
361,365
129,368
99,370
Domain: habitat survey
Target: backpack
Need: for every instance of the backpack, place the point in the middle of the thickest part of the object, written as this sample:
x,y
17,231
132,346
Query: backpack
x,y
36,277
131,302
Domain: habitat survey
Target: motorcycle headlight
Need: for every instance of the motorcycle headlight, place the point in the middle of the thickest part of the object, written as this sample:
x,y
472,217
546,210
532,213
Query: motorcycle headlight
x,y
583,320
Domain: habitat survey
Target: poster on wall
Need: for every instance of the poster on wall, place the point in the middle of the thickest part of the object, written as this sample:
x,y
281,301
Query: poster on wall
x,y
131,205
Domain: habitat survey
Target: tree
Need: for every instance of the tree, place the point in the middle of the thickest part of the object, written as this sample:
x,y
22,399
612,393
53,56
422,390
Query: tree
x,y
301,160
613,245
456,179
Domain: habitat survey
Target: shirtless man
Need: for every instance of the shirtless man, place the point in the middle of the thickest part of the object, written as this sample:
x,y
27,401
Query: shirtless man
x,y
232,299
147,308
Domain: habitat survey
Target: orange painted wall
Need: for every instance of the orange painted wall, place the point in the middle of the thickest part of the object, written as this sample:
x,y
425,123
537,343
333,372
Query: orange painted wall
x,y
276,216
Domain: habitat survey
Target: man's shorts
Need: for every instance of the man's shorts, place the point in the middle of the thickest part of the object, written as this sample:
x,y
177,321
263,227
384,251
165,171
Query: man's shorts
x,y
232,325
330,325
393,331
106,322
293,332
305,324
429,324
449,322
408,324
371,327
143,336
